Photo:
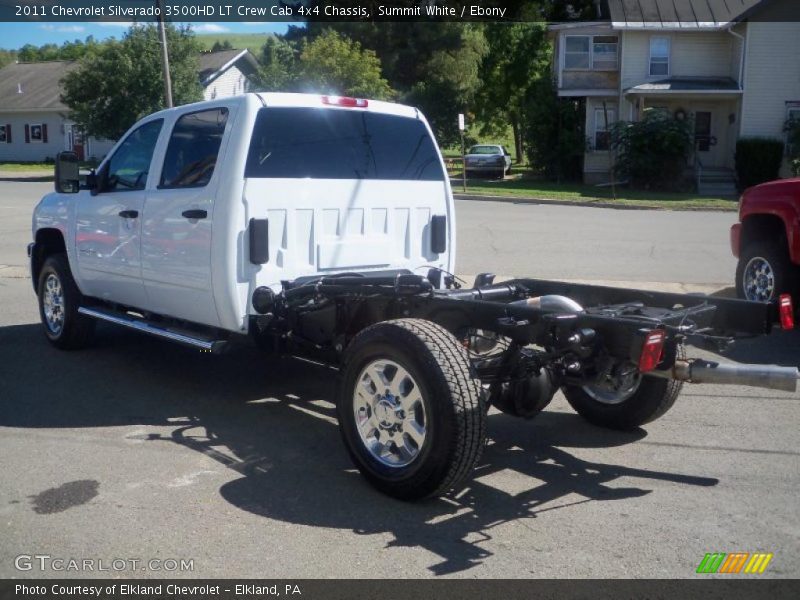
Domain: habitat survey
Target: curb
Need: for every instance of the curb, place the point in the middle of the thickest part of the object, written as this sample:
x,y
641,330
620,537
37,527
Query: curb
x,y
589,204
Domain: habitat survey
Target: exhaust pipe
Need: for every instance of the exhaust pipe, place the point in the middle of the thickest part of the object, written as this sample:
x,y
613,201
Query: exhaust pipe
x,y
697,370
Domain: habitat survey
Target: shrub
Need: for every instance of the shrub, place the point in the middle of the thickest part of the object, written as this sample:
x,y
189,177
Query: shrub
x,y
758,160
652,152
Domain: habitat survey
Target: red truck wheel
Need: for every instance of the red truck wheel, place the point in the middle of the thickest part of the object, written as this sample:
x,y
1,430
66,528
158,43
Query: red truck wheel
x,y
764,272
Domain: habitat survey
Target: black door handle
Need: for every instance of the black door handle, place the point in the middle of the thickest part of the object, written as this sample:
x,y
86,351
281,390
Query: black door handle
x,y
195,213
129,214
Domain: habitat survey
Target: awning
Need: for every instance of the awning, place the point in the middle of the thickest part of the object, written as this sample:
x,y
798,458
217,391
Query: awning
x,y
723,86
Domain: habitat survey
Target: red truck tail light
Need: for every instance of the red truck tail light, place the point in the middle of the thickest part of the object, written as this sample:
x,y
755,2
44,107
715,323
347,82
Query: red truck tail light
x,y
786,311
345,101
652,350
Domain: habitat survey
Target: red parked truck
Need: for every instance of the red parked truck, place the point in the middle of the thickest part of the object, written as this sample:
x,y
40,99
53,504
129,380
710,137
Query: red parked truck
x,y
766,240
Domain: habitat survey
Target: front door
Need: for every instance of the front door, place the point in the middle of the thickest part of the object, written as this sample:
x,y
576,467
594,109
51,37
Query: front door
x,y
176,230
78,142
705,140
108,223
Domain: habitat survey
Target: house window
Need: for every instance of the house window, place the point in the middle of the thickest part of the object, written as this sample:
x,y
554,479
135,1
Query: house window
x,y
5,134
604,53
595,53
577,52
602,135
659,55
36,133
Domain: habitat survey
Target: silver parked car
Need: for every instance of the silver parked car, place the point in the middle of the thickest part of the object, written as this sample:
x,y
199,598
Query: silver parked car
x,y
492,159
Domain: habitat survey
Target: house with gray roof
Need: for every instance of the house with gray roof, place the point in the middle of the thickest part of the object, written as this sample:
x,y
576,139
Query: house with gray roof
x,y
35,124
731,66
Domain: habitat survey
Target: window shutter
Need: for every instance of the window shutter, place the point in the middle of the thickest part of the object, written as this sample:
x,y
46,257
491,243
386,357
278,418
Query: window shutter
x,y
8,133
44,132
27,134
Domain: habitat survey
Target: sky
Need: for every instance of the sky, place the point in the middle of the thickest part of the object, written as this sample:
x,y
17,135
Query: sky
x,y
15,35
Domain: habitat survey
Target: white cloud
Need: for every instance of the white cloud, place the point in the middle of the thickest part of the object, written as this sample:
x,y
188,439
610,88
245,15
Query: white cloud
x,y
210,28
124,24
63,28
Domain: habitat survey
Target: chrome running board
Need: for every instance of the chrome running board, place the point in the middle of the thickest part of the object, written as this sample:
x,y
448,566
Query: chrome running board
x,y
131,322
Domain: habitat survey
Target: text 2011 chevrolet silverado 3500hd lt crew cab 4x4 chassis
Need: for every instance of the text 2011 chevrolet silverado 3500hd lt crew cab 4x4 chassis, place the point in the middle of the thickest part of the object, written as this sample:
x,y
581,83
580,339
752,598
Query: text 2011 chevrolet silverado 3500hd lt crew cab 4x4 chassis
x,y
324,227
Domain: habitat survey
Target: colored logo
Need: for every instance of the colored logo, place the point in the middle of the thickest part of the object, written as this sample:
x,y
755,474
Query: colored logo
x,y
736,562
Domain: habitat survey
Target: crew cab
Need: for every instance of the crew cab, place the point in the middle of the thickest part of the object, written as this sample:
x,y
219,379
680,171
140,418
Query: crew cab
x,y
323,227
766,240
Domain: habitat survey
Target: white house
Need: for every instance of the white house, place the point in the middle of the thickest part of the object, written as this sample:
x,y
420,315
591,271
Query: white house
x,y
35,124
733,67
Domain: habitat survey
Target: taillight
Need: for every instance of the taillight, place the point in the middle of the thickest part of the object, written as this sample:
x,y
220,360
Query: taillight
x,y
652,350
345,101
786,311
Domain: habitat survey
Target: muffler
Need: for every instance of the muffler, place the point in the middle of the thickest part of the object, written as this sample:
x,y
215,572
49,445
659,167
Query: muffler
x,y
697,370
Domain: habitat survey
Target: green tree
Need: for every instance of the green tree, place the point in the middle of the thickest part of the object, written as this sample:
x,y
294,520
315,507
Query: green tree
x,y
553,133
450,83
219,46
278,70
434,66
518,56
7,57
120,83
335,64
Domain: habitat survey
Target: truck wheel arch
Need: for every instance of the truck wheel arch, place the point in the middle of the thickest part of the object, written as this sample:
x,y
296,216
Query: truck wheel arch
x,y
49,241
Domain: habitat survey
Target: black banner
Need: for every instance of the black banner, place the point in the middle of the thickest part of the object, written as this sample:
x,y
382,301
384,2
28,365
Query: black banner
x,y
735,588
692,14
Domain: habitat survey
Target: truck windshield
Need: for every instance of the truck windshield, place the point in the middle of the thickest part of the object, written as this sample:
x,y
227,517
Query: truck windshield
x,y
340,144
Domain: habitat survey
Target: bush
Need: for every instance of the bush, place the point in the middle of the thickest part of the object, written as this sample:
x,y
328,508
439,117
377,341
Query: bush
x,y
758,160
652,152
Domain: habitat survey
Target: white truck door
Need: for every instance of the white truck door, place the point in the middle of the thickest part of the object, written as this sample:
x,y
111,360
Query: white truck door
x,y
176,229
109,223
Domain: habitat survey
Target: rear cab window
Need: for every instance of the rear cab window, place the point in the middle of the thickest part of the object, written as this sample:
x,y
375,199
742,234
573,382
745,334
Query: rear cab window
x,y
325,143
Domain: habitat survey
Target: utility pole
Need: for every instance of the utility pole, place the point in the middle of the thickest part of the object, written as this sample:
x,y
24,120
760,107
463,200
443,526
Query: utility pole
x,y
162,36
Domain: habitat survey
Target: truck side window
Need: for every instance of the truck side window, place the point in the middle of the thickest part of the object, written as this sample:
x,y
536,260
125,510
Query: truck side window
x,y
193,148
130,164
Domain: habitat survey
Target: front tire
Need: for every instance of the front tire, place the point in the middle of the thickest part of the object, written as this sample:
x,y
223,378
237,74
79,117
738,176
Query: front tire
x,y
59,300
764,272
411,415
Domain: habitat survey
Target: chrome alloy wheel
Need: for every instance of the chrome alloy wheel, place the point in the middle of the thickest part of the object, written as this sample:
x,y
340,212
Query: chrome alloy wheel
x,y
617,389
759,279
53,304
389,413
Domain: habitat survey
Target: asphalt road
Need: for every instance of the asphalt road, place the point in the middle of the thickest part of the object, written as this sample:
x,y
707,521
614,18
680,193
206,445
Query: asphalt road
x,y
138,450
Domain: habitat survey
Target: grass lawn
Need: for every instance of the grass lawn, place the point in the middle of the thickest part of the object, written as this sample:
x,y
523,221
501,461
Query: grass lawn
x,y
21,167
576,192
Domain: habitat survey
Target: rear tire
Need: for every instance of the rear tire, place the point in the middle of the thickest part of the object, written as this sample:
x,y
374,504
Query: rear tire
x,y
410,413
764,272
59,300
649,400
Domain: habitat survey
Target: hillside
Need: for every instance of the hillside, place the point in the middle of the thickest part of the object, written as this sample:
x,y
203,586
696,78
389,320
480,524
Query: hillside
x,y
251,41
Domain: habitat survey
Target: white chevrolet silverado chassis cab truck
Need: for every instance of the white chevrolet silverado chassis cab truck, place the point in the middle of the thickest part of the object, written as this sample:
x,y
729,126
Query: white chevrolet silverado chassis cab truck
x,y
323,227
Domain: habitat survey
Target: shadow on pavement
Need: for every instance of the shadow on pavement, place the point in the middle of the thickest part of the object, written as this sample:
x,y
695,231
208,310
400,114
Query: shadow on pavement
x,y
273,422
